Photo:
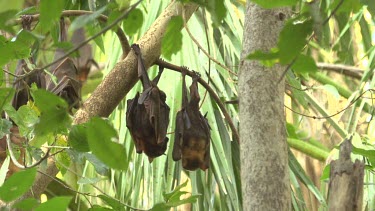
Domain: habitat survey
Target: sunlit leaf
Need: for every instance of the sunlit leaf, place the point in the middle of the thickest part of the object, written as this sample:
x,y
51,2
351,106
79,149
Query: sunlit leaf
x,y
331,89
4,170
172,40
60,203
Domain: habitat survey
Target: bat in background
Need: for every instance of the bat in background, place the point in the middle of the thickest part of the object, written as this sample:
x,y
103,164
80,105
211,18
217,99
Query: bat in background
x,y
147,115
192,132
68,86
22,86
84,61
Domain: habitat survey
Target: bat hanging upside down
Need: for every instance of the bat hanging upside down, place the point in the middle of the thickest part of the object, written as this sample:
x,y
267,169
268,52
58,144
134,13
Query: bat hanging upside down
x,y
192,134
147,115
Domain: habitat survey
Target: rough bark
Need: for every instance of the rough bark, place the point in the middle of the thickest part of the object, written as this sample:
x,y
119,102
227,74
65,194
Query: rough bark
x,y
264,155
346,181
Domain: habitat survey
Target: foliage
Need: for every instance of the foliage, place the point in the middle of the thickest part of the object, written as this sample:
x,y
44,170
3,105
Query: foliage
x,y
99,155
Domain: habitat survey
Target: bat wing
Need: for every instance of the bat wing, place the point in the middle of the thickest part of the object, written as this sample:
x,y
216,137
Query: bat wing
x,y
179,133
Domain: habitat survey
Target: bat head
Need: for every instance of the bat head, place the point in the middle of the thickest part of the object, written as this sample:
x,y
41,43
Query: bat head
x,y
194,153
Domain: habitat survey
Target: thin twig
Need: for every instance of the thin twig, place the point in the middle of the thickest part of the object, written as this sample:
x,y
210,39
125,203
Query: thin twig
x,y
332,115
205,52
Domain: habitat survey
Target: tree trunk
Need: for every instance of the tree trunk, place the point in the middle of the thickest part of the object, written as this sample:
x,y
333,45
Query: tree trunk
x,y
346,181
264,155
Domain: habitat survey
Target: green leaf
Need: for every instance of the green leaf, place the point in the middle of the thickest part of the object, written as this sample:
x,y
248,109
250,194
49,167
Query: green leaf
x,y
369,154
17,48
268,59
16,185
116,205
331,89
4,20
217,10
172,199
347,6
39,139
172,40
5,126
84,20
167,196
4,170
100,135
370,6
99,166
273,4
60,203
326,173
54,112
292,39
92,29
28,117
133,22
78,138
6,96
300,173
27,11
304,64
63,161
11,5
27,204
50,12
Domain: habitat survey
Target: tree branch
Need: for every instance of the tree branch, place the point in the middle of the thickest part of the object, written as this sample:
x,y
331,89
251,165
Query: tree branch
x,y
123,76
351,71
